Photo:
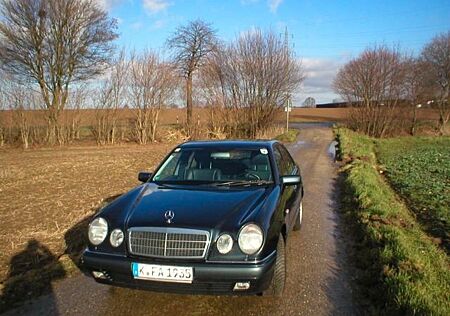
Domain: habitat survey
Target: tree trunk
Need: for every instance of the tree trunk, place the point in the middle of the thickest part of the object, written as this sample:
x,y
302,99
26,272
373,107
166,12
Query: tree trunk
x,y
414,121
443,119
24,130
113,134
189,102
25,141
2,137
52,127
154,124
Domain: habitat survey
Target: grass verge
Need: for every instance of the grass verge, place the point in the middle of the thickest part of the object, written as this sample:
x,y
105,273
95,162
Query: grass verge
x,y
402,270
289,136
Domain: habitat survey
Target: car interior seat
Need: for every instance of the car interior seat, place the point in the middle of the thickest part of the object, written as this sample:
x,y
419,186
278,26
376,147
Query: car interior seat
x,y
203,174
260,167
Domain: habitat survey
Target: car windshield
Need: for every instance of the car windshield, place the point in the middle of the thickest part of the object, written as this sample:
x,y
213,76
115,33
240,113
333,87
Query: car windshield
x,y
231,166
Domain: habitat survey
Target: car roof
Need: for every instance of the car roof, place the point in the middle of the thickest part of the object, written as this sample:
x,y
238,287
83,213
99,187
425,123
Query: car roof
x,y
229,144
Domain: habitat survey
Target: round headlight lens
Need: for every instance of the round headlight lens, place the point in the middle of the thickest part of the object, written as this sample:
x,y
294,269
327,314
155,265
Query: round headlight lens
x,y
116,237
98,229
250,239
224,244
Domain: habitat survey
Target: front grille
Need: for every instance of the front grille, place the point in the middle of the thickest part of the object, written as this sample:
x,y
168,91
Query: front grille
x,y
168,242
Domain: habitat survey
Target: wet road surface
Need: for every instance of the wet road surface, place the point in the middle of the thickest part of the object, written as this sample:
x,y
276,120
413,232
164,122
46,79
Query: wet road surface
x,y
317,268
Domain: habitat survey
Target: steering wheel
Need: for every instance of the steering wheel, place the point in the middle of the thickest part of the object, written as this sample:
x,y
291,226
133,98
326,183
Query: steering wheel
x,y
252,176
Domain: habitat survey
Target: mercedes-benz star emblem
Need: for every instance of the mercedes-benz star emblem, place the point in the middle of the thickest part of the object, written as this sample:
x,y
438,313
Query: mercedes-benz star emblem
x,y
169,215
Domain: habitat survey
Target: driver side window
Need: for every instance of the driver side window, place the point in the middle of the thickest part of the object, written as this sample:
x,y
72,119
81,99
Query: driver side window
x,y
290,164
279,161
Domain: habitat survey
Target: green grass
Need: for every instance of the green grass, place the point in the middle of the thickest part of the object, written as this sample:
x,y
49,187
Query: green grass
x,y
419,170
401,270
289,136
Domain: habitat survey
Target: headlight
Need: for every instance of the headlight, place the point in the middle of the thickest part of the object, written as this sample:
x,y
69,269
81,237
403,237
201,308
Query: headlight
x,y
98,229
116,237
250,239
224,244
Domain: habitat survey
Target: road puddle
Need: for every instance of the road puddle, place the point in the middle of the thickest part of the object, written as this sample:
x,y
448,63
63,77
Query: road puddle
x,y
298,144
332,150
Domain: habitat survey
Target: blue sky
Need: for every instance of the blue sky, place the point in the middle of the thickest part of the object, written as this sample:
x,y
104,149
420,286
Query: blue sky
x,y
324,33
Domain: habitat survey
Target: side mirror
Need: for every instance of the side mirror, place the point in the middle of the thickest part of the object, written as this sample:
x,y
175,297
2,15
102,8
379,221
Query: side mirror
x,y
144,176
291,180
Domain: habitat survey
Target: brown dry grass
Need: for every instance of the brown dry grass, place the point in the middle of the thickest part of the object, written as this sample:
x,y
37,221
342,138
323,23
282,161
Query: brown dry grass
x,y
45,192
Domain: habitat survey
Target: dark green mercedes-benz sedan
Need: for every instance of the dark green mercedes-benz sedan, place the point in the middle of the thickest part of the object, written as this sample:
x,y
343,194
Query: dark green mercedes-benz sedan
x,y
212,219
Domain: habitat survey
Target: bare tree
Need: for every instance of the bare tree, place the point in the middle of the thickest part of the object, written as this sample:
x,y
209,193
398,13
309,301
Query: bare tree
x,y
436,55
151,84
111,96
309,102
252,77
191,44
55,43
76,104
373,85
20,101
3,102
212,83
416,92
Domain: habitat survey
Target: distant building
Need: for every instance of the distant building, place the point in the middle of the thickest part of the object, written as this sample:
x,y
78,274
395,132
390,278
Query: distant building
x,y
332,105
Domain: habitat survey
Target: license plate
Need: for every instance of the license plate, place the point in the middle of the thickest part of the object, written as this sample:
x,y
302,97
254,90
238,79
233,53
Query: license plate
x,y
157,272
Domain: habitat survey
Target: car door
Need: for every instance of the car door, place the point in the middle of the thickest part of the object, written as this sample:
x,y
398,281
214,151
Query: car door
x,y
288,198
296,195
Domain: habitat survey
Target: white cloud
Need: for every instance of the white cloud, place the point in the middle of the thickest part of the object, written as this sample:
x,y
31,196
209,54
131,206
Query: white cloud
x,y
274,4
155,6
320,73
108,4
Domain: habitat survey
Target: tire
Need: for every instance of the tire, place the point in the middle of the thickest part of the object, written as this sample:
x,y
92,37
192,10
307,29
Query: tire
x,y
276,287
299,219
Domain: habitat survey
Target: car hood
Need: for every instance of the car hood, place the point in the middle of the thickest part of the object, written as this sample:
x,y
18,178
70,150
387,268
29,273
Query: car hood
x,y
200,207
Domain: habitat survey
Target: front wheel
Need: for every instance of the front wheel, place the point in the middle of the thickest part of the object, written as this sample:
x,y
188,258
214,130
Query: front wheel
x,y
298,220
276,287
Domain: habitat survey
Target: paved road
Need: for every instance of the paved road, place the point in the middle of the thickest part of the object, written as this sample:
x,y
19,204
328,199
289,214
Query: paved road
x,y
318,280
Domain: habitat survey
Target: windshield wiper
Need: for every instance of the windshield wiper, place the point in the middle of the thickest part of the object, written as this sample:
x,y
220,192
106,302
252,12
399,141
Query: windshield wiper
x,y
185,182
242,183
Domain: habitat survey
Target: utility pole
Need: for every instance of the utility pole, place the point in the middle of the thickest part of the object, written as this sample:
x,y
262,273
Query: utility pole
x,y
288,106
288,109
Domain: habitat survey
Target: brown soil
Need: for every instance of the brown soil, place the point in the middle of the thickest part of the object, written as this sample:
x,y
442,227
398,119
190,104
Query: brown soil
x,y
45,192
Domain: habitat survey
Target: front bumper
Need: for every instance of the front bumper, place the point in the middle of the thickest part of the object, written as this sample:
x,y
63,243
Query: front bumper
x,y
209,277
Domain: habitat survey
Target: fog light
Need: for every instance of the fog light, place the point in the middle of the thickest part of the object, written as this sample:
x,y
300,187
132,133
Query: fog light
x,y
99,275
116,237
240,286
224,244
